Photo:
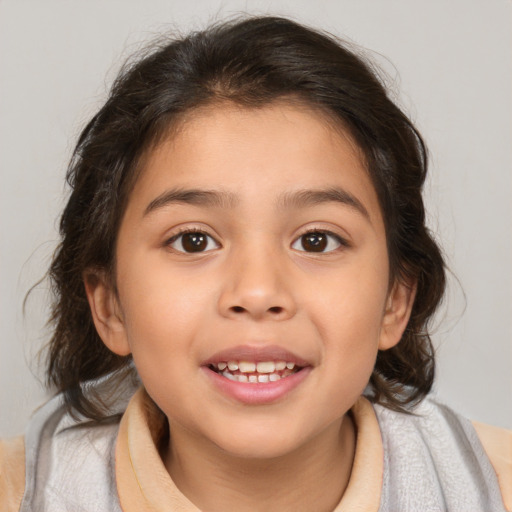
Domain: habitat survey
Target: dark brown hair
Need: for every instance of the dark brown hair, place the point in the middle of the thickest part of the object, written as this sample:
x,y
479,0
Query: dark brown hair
x,y
251,62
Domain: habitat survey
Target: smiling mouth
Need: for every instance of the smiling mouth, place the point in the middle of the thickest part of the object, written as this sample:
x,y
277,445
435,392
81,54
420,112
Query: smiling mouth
x,y
253,372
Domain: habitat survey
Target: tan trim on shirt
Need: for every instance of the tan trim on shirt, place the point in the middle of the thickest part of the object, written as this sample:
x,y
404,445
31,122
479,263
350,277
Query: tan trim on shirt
x,y
497,443
12,473
365,485
144,484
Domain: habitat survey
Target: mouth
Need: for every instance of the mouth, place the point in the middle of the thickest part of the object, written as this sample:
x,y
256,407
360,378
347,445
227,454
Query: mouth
x,y
255,372
256,375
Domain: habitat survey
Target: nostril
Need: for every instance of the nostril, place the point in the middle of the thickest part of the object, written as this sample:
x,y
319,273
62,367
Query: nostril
x,y
274,309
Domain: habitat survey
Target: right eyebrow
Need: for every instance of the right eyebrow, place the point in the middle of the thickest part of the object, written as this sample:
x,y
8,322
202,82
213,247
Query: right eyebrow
x,y
212,198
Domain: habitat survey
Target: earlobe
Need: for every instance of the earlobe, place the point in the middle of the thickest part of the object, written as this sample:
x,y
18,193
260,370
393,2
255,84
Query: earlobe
x,y
106,312
397,313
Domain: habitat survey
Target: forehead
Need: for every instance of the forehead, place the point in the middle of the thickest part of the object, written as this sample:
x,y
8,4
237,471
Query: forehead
x,y
255,154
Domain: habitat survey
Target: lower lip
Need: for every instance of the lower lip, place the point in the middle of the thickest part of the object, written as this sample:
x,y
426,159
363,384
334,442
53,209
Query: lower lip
x,y
257,393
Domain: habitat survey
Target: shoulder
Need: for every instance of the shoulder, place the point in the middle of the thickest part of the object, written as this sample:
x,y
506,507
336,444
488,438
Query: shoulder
x,y
12,473
497,443
439,451
66,461
69,461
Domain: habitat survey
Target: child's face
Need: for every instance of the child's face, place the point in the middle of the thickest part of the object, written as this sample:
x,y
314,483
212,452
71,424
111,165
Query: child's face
x,y
286,262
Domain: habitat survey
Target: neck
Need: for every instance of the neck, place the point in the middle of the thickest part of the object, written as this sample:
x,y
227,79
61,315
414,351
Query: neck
x,y
312,477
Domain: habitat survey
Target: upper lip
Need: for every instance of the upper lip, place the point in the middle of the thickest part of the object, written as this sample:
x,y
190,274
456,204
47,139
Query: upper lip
x,y
256,354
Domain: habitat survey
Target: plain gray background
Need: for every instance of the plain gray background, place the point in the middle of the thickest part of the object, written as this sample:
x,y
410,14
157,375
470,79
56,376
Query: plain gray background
x,y
451,62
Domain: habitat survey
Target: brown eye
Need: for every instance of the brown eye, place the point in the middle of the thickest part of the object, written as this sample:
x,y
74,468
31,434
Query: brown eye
x,y
314,242
318,241
193,241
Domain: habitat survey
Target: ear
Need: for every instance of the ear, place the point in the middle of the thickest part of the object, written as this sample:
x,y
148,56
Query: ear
x,y
397,313
106,313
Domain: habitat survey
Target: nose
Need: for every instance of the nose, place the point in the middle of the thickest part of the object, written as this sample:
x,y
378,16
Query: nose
x,y
257,286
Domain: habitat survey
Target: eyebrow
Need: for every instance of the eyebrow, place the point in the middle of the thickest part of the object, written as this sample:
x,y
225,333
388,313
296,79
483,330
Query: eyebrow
x,y
197,197
305,198
223,199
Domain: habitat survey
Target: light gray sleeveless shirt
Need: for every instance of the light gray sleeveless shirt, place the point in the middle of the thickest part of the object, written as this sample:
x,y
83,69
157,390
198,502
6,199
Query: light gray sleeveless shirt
x,y
433,461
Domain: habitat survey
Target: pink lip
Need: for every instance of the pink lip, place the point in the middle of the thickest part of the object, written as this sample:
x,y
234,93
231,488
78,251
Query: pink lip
x,y
256,354
256,393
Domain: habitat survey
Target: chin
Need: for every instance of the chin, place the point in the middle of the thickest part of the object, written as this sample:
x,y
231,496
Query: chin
x,y
252,450
260,443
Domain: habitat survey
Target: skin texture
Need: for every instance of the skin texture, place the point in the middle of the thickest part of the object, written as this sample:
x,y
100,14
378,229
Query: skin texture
x,y
254,286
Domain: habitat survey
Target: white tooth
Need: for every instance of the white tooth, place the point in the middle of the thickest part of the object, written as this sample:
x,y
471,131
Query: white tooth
x,y
222,366
246,367
262,378
242,378
253,378
266,367
232,365
290,366
280,365
229,376
274,376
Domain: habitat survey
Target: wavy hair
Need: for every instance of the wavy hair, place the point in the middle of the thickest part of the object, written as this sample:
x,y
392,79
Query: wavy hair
x,y
251,62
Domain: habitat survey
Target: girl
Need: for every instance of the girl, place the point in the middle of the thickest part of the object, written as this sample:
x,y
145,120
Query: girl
x,y
243,255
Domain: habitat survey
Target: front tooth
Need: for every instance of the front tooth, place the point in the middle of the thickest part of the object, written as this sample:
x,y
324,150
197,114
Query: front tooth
x,y
246,367
290,366
229,376
242,378
274,376
253,378
232,365
266,367
262,378
280,365
222,366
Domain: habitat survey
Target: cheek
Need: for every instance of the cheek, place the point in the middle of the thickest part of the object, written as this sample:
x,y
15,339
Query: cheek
x,y
161,308
351,303
352,337
163,314
348,318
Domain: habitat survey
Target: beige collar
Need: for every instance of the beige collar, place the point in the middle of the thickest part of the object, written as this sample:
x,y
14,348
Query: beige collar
x,y
144,485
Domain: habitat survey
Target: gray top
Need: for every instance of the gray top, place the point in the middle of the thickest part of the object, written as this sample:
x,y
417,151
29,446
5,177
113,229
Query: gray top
x,y
433,461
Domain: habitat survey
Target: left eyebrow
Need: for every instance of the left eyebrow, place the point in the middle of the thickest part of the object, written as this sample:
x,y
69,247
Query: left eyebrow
x,y
197,197
305,198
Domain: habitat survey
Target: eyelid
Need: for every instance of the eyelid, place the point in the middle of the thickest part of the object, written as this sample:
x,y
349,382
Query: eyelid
x,y
190,227
342,241
183,231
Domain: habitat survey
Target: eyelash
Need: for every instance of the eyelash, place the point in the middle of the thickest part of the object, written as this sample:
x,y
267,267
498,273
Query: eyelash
x,y
341,242
179,237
